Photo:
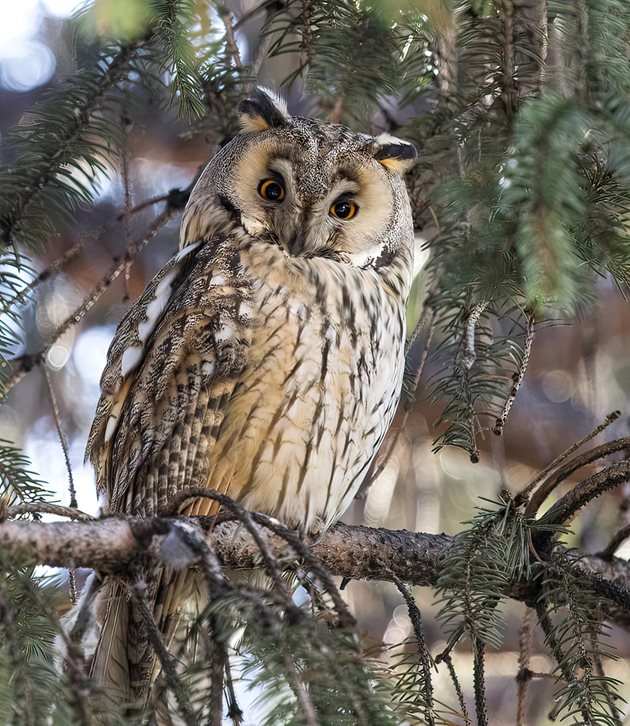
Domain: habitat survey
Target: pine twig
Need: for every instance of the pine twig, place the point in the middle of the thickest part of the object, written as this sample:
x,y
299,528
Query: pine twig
x,y
167,662
219,660
542,493
619,536
45,171
423,651
469,356
245,518
234,711
517,378
598,667
524,675
25,363
21,685
301,549
479,681
446,658
552,642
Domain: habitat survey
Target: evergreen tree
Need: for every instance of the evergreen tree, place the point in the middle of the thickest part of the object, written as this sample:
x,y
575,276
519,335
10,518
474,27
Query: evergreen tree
x,y
520,112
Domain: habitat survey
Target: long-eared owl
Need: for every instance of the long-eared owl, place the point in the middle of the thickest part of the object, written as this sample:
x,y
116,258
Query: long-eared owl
x,y
265,360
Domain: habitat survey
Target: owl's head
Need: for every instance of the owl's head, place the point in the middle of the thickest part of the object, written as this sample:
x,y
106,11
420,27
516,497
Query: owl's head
x,y
311,187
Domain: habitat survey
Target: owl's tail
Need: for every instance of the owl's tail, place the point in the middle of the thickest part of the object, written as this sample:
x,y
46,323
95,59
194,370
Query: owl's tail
x,y
110,663
124,664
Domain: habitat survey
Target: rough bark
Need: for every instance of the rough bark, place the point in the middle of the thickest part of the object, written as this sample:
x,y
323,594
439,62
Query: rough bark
x,y
358,553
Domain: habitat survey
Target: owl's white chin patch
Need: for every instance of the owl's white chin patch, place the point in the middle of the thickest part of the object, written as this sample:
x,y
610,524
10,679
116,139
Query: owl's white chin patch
x,y
364,257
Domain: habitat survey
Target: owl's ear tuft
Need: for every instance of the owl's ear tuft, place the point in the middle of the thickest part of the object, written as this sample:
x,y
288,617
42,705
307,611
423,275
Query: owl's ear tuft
x,y
394,153
262,110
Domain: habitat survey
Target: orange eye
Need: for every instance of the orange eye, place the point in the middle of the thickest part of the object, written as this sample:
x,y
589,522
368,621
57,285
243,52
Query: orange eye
x,y
271,190
343,209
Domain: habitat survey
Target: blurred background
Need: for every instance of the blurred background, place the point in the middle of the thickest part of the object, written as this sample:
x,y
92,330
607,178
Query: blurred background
x,y
579,371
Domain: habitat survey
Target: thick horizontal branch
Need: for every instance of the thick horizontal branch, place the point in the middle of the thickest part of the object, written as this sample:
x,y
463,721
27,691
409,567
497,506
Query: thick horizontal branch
x,y
357,553
111,544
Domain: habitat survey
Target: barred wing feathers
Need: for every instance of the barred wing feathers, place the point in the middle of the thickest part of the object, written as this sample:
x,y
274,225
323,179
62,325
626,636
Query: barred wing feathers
x,y
172,367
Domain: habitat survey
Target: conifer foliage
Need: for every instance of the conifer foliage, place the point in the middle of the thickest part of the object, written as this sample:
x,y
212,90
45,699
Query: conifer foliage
x,y
520,110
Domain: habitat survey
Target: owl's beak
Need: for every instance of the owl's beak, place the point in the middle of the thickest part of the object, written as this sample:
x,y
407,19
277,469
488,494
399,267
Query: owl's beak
x,y
291,238
294,245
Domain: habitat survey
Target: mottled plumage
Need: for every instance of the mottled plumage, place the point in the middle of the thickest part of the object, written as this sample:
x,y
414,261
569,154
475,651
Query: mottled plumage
x,y
266,359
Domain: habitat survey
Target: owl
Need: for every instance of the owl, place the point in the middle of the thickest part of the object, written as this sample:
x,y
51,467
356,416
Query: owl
x,y
265,360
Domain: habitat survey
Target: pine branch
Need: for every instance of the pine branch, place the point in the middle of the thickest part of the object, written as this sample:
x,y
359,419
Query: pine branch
x,y
353,552
25,363
54,138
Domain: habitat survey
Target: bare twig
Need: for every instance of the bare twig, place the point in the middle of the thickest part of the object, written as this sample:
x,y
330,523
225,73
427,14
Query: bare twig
x,y
524,674
230,41
127,211
619,536
24,364
588,489
69,255
426,319
446,658
423,652
469,356
564,472
564,456
47,508
63,440
517,378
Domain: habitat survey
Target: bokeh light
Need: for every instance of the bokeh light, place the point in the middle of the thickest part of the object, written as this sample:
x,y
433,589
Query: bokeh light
x,y
62,8
26,62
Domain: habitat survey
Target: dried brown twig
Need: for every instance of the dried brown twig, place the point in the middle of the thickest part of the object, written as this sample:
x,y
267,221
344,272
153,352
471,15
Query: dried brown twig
x,y
620,536
25,363
549,484
587,490
46,508
69,255
517,378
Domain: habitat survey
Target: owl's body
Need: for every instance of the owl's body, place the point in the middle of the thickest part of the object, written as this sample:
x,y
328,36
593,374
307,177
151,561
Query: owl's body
x,y
266,359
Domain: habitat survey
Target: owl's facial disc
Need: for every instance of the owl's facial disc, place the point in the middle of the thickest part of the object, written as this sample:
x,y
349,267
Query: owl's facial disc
x,y
314,189
330,205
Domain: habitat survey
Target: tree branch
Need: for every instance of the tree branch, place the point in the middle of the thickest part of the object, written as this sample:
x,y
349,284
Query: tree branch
x,y
353,552
110,544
